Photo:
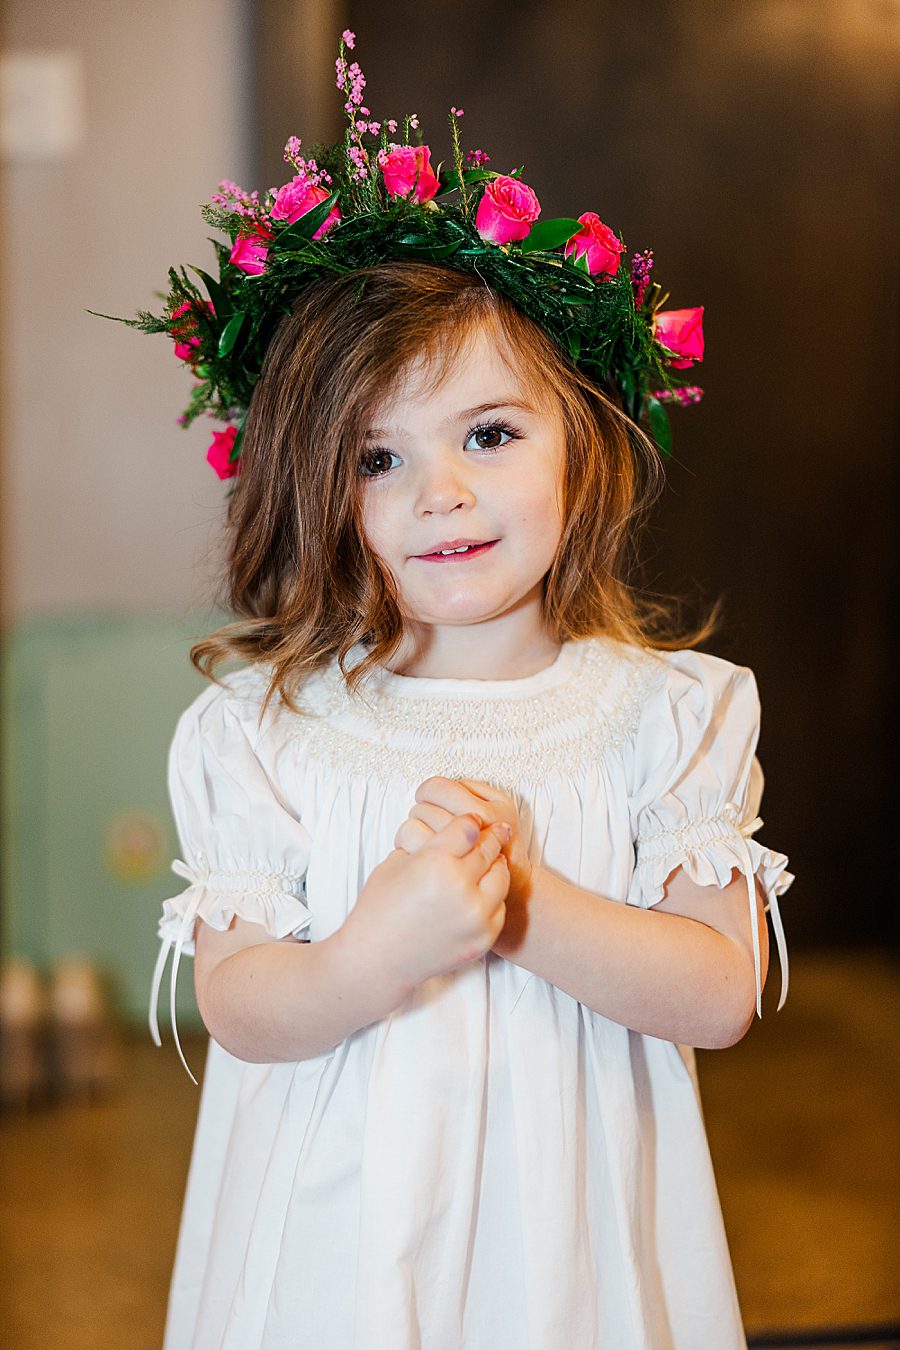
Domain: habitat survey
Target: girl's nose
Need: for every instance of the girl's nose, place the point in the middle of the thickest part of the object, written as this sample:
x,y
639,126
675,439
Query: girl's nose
x,y
443,485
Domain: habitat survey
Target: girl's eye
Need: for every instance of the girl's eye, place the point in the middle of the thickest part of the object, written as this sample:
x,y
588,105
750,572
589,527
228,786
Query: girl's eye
x,y
369,464
376,463
487,436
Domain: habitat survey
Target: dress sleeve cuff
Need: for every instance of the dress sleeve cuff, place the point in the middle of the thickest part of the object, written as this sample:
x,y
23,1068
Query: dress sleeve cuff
x,y
271,899
709,850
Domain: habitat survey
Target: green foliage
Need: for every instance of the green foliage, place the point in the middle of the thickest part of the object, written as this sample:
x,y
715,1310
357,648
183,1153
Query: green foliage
x,y
234,315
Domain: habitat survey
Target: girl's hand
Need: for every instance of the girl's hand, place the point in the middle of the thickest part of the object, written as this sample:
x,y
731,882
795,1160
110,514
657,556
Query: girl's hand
x,y
425,912
438,800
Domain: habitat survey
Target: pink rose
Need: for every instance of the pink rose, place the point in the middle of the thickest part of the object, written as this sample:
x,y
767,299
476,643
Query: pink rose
x,y
250,251
219,453
680,331
299,196
597,243
184,329
507,210
400,167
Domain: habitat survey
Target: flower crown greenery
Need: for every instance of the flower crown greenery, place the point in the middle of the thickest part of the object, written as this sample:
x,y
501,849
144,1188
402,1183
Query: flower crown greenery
x,y
370,198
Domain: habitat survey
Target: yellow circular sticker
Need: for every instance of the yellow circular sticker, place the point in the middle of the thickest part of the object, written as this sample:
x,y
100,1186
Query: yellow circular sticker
x,y
136,846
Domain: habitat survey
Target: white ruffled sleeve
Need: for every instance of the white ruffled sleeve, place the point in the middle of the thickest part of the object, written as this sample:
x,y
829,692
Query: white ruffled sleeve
x,y
697,787
245,853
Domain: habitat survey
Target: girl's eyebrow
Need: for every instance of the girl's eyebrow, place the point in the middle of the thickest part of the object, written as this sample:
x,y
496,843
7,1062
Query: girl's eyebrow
x,y
467,413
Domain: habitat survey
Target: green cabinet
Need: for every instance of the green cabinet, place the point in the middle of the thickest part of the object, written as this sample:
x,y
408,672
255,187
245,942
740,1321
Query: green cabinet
x,y
90,708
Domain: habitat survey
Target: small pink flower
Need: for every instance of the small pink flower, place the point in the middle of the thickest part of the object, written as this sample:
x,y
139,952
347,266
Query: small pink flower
x,y
400,167
680,331
598,244
349,38
251,250
299,196
219,453
507,210
184,329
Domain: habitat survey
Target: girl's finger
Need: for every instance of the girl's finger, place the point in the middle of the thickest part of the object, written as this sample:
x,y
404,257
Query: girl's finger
x,y
486,852
461,836
453,797
436,817
412,834
484,790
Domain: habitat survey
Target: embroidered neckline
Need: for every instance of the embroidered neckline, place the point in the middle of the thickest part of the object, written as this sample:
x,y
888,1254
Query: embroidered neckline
x,y
560,721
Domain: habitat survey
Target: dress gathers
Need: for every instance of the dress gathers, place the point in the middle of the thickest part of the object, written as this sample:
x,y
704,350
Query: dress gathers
x,y
494,1166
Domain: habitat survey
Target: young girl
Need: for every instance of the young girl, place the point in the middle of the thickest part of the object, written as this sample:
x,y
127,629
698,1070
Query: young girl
x,y
468,838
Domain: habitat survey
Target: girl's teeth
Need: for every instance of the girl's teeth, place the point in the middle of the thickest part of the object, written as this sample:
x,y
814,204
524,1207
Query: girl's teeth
x,y
465,548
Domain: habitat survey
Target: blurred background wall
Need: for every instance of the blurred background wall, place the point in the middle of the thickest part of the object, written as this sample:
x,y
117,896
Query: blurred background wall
x,y
118,120
750,145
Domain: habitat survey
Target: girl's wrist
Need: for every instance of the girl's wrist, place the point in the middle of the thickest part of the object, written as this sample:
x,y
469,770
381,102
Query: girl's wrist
x,y
360,965
522,878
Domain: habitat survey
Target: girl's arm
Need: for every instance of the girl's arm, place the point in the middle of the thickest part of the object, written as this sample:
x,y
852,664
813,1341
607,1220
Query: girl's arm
x,y
270,1000
681,970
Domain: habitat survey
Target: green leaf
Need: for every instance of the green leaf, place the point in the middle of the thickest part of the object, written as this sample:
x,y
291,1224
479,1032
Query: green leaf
x,y
302,230
229,335
450,181
549,234
659,425
428,247
216,292
236,448
574,340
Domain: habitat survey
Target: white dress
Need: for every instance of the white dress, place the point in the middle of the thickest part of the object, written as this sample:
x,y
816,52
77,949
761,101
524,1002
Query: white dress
x,y
494,1166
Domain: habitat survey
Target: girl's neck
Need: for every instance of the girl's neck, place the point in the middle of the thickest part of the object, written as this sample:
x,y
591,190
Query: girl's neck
x,y
465,653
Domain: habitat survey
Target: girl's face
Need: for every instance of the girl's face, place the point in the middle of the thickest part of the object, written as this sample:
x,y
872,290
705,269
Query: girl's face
x,y
472,460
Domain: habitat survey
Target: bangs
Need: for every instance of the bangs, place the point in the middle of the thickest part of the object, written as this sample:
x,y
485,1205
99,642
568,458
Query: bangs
x,y
446,329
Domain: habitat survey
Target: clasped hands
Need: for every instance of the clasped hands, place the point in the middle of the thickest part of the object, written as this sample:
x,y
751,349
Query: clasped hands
x,y
438,800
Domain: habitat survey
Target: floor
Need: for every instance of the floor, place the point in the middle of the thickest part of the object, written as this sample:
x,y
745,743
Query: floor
x,y
804,1125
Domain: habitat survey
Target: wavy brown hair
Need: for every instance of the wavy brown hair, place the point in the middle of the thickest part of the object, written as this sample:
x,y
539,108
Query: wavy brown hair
x,y
300,575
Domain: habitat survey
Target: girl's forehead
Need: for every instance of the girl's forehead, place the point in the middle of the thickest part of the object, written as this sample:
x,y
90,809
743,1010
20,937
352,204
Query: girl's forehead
x,y
474,365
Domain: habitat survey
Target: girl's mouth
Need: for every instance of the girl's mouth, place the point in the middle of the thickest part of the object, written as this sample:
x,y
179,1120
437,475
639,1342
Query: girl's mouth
x,y
469,552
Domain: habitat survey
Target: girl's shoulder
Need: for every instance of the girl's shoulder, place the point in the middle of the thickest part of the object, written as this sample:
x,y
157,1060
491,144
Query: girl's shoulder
x,y
230,714
240,693
237,707
673,696
650,672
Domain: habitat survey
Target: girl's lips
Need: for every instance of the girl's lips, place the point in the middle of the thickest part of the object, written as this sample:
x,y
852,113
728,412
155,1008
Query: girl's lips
x,y
456,557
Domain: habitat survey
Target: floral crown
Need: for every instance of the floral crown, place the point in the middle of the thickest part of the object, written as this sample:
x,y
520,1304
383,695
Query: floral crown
x,y
370,198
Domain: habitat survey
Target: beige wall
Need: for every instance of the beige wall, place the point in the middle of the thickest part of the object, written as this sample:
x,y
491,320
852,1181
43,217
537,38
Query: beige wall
x,y
107,502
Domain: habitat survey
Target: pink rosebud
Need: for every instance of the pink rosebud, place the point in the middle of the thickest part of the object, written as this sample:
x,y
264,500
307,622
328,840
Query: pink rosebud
x,y
680,331
299,196
400,167
597,243
219,453
507,210
250,251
